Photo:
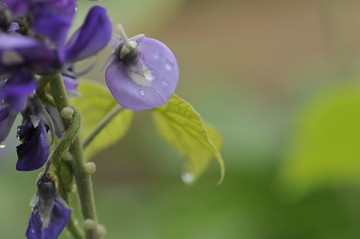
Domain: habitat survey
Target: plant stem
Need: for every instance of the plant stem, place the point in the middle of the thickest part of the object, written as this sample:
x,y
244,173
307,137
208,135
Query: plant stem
x,y
112,113
83,179
71,225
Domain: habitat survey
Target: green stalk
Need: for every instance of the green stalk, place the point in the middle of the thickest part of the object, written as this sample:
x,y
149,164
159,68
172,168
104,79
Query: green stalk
x,y
82,178
114,111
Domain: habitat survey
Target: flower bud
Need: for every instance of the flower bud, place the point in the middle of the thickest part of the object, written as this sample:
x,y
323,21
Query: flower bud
x,y
67,113
89,224
90,167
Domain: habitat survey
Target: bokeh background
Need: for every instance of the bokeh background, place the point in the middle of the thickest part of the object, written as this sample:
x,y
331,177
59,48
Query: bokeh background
x,y
280,79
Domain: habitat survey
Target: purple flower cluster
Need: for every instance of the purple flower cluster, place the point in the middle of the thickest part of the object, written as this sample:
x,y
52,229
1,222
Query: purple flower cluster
x,y
33,44
141,73
38,48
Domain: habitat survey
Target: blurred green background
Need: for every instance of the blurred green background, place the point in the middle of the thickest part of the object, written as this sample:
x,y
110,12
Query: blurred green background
x,y
280,80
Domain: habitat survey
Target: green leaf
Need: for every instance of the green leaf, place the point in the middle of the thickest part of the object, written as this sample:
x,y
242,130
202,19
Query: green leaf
x,y
182,127
96,102
325,149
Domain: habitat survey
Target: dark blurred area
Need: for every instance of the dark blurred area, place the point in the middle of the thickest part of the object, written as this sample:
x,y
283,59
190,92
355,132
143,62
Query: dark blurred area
x,y
279,80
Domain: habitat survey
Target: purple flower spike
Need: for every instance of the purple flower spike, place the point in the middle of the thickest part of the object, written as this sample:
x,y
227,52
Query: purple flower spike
x,y
146,81
34,150
91,37
7,118
49,216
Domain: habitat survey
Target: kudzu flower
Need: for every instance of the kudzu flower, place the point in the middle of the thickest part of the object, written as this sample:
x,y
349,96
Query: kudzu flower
x,y
50,213
141,72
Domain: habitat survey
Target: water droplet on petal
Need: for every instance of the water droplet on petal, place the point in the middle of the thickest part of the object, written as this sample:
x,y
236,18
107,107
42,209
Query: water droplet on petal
x,y
142,93
148,75
169,65
164,83
156,54
187,178
2,145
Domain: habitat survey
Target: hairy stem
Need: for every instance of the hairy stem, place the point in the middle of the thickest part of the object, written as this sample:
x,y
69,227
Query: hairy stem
x,y
82,178
64,171
41,90
101,125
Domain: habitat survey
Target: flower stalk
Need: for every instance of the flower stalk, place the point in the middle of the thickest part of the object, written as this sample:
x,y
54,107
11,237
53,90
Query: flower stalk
x,y
112,113
82,178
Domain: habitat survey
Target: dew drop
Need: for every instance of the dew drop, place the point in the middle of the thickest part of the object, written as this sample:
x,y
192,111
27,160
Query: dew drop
x,y
142,93
148,75
156,54
169,65
164,83
2,145
187,178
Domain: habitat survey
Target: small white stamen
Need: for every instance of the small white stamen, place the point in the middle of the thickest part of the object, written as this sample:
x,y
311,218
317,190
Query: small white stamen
x,y
123,35
126,49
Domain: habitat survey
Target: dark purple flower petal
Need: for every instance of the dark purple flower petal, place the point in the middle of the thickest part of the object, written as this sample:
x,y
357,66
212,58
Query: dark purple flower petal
x,y
17,88
149,82
91,37
34,150
49,216
7,118
17,50
52,18
18,6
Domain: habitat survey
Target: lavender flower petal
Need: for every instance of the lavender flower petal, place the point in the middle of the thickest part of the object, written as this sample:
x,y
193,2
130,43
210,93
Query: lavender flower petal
x,y
7,118
148,83
71,85
34,150
91,37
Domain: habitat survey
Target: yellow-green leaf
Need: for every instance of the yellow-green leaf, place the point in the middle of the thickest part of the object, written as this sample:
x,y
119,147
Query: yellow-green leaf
x,y
325,149
182,127
96,102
